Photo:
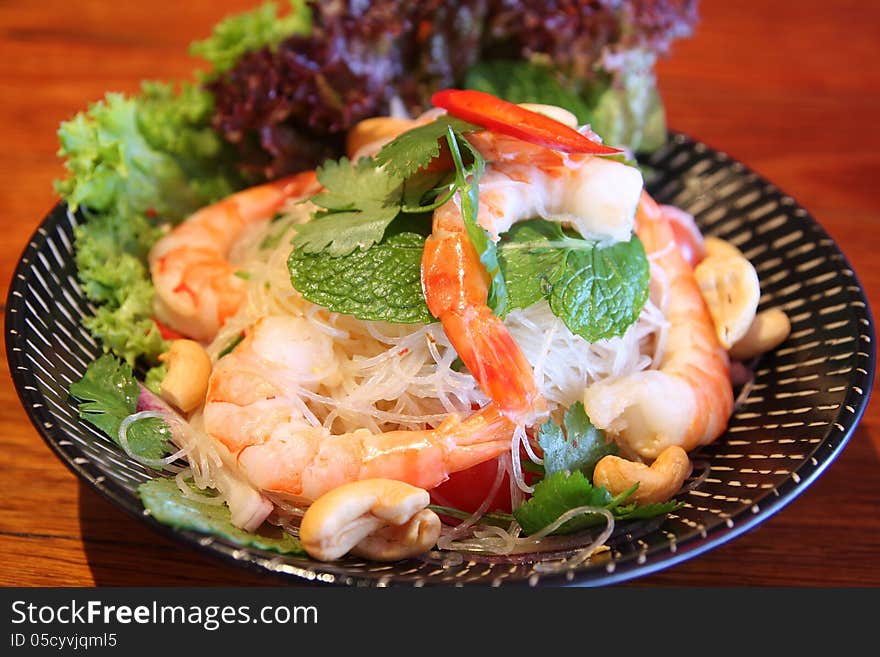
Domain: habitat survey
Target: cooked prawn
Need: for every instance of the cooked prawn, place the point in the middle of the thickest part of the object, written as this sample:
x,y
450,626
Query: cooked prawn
x,y
595,195
688,400
197,289
456,289
521,181
256,408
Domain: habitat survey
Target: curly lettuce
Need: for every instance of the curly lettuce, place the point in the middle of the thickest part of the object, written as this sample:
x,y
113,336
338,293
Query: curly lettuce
x,y
135,163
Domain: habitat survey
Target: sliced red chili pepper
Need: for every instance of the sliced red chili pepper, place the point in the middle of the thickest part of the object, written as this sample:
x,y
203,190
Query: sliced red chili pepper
x,y
493,113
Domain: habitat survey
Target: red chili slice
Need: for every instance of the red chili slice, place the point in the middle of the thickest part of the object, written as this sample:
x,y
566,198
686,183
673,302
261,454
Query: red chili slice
x,y
492,113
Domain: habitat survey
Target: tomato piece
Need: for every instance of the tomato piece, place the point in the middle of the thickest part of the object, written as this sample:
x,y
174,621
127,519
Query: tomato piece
x,y
493,113
466,490
166,332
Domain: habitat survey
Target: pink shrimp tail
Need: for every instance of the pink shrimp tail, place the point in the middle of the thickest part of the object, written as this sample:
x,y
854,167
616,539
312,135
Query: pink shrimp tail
x,y
495,361
456,445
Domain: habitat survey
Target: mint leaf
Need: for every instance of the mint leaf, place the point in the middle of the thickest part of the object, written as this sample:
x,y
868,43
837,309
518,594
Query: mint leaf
x,y
415,149
577,445
107,394
360,201
530,266
602,290
597,291
556,494
381,283
163,499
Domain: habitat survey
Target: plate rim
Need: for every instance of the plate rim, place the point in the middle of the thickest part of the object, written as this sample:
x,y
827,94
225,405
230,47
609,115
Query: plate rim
x,y
835,439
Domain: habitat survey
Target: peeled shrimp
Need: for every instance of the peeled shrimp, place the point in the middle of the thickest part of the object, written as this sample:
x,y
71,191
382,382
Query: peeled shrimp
x,y
595,195
521,181
688,400
255,407
197,289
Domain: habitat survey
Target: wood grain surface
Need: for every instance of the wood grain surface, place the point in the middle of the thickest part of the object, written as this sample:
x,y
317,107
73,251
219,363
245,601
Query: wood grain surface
x,y
792,89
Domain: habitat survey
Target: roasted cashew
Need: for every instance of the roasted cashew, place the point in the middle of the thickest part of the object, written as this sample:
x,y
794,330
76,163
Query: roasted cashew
x,y
729,285
396,542
554,112
657,483
715,246
381,519
373,132
189,368
769,330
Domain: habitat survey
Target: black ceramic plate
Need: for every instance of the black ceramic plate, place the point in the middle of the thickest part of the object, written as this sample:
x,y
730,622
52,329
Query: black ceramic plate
x,y
806,399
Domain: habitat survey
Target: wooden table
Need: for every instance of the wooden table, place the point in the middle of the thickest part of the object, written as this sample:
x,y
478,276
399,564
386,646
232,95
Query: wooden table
x,y
792,89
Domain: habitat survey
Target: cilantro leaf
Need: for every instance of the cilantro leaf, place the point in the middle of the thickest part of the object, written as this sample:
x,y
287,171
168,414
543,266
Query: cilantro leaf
x,y
576,445
415,149
360,201
561,492
382,282
556,494
163,499
597,291
107,394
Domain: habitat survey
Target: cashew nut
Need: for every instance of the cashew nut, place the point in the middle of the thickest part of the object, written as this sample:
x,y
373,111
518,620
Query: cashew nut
x,y
554,112
770,329
369,135
729,284
381,519
657,483
715,246
401,541
189,368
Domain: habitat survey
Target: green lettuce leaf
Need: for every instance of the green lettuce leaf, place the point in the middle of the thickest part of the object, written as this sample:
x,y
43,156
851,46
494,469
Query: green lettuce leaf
x,y
622,106
134,163
250,31
519,81
629,110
